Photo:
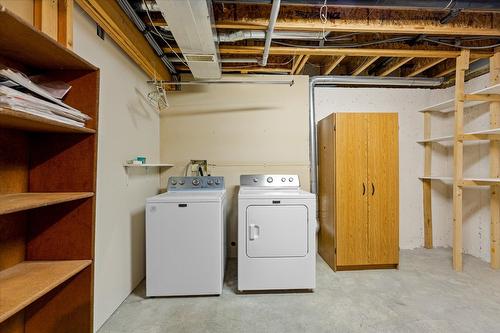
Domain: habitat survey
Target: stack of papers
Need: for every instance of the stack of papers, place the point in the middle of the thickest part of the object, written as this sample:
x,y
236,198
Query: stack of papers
x,y
37,101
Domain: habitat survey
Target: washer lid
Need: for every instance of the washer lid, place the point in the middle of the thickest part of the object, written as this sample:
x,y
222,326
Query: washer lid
x,y
188,196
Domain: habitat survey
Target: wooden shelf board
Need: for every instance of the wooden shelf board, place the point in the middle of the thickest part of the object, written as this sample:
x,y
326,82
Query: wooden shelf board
x,y
467,181
493,131
449,105
15,202
27,122
146,165
26,282
34,49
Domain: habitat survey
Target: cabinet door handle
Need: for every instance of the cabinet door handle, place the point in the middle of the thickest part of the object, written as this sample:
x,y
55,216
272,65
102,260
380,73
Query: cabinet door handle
x,y
373,189
364,189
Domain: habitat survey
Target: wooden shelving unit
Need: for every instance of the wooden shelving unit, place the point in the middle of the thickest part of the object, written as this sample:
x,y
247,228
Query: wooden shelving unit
x,y
47,186
459,105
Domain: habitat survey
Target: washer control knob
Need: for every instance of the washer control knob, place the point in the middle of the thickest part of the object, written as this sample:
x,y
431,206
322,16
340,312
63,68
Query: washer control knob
x,y
173,182
290,179
196,182
269,179
255,180
181,182
217,181
210,182
283,179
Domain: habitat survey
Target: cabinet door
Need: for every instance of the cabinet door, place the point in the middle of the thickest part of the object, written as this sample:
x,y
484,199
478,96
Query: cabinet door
x,y
383,177
351,189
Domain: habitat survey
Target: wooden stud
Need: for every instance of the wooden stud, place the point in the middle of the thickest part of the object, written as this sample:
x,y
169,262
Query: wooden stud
x,y
425,67
458,160
296,63
332,65
302,64
353,52
363,26
65,23
495,166
482,97
45,17
427,184
364,66
395,65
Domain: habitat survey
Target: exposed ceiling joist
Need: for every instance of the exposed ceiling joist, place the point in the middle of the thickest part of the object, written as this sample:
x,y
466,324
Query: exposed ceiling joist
x,y
424,67
365,65
296,62
394,65
110,16
303,62
364,26
332,64
350,52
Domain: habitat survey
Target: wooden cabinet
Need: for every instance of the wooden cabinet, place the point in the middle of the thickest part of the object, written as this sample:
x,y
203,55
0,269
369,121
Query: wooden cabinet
x,y
359,190
47,187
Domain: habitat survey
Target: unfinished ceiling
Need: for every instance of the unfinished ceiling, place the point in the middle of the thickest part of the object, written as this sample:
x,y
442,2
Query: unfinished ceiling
x,y
358,38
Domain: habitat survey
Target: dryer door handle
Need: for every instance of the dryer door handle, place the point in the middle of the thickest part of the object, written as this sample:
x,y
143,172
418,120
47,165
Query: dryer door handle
x,y
253,232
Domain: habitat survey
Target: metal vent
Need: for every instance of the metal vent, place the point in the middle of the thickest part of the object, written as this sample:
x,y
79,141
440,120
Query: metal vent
x,y
200,57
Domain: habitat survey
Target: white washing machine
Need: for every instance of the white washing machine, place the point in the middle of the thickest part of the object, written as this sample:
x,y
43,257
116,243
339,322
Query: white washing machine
x,y
276,234
186,238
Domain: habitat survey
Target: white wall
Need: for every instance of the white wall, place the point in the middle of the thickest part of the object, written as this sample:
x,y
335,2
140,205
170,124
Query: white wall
x,y
239,129
127,127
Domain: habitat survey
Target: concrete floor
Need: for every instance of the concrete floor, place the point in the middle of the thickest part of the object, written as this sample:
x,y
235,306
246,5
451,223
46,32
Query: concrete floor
x,y
424,295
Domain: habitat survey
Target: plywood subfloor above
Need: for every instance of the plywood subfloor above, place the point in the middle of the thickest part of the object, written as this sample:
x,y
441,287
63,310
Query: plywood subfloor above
x,y
16,202
26,282
27,122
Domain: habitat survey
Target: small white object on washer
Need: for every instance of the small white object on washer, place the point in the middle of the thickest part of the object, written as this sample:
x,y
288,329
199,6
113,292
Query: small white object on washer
x,y
186,238
276,234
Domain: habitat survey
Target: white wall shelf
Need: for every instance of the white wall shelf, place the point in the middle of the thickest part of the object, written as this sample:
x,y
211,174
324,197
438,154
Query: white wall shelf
x,y
149,165
449,105
469,136
467,182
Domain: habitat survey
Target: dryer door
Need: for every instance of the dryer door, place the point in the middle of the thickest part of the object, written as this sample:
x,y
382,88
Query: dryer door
x,y
276,231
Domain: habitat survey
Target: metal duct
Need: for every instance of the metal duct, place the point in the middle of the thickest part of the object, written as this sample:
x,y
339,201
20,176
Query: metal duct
x,y
335,80
226,60
471,5
236,36
124,4
191,24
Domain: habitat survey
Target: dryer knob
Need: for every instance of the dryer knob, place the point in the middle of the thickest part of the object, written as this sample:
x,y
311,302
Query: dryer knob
x,y
196,182
210,182
283,179
217,181
269,179
173,182
255,180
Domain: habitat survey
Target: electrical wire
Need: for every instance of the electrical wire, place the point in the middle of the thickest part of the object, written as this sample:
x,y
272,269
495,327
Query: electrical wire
x,y
461,46
159,34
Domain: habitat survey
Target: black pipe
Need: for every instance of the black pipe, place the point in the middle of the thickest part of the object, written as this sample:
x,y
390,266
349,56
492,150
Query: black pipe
x,y
471,5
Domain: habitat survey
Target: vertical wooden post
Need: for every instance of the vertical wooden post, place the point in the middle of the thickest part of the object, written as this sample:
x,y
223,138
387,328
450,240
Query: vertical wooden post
x,y
495,166
65,23
458,159
45,16
427,183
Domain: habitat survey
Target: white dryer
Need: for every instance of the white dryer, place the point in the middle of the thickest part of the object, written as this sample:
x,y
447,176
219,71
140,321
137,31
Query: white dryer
x,y
186,238
276,234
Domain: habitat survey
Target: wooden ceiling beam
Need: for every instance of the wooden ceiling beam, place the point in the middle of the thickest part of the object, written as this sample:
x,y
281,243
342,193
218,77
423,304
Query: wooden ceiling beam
x,y
424,67
351,52
363,26
394,65
332,64
300,67
296,62
364,65
451,69
117,25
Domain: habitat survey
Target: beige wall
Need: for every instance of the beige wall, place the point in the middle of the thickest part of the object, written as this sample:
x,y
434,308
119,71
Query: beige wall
x,y
128,127
239,129
22,8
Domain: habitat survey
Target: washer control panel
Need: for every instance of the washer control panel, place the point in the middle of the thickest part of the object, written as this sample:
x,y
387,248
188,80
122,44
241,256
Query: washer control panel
x,y
195,183
270,180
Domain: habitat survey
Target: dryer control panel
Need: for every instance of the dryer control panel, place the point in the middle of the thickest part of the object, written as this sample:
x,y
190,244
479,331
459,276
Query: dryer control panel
x,y
270,180
195,183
